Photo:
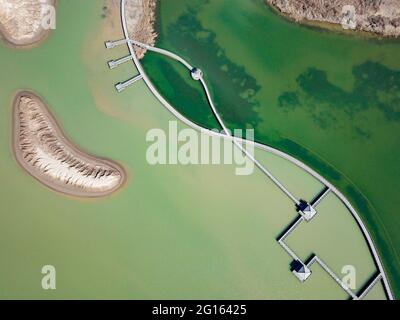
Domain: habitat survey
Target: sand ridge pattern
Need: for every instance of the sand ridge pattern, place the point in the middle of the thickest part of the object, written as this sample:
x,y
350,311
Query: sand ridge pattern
x,y
43,151
21,21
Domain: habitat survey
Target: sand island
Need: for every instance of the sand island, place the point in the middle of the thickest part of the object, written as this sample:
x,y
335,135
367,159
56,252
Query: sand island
x,y
24,23
381,17
42,149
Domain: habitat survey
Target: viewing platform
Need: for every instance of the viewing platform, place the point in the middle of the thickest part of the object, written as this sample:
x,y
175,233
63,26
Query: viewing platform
x,y
301,271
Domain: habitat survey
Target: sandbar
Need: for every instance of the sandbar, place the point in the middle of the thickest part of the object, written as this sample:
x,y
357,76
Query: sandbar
x,y
44,152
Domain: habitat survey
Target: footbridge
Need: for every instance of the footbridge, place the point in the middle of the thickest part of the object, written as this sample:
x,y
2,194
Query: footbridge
x,y
123,85
239,142
226,131
333,275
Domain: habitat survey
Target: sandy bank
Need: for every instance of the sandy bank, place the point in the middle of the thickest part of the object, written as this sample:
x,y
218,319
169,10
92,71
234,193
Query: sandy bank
x,y
26,23
381,17
41,148
140,16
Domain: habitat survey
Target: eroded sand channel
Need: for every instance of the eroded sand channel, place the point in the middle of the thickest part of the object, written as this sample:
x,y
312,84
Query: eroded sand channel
x,y
42,149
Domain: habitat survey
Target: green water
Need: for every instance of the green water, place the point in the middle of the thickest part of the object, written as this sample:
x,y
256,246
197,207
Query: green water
x,y
184,232
330,100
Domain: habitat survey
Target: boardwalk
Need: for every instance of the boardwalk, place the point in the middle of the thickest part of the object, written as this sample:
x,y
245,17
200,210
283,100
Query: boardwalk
x,y
115,63
314,259
240,142
227,132
291,228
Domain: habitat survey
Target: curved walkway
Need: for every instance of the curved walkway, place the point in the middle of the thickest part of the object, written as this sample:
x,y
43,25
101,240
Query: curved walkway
x,y
239,141
163,52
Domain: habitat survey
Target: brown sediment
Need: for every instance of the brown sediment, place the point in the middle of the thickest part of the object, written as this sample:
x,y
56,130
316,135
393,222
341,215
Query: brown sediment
x,y
42,150
21,27
376,17
141,17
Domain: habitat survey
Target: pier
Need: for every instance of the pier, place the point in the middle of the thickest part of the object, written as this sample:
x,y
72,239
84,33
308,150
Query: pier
x,y
113,44
115,63
123,85
306,210
198,76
